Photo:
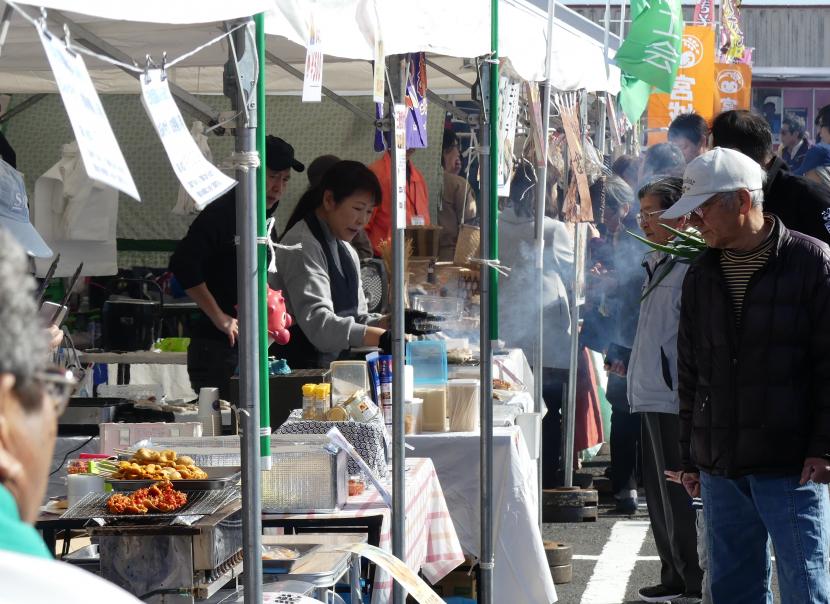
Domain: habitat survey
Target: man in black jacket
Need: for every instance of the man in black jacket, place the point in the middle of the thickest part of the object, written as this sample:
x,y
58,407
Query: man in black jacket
x,y
801,204
204,263
753,369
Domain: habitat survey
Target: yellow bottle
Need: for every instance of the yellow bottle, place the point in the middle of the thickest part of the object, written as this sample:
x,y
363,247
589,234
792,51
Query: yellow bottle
x,y
308,400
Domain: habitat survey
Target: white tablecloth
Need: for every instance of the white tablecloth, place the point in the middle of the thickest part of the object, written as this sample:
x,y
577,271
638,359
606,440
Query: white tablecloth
x,y
522,575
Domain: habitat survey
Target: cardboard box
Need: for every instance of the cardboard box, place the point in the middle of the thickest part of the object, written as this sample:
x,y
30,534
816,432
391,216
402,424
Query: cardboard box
x,y
461,582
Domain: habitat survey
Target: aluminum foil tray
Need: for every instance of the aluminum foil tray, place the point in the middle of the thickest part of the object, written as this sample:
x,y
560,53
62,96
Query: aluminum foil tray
x,y
199,503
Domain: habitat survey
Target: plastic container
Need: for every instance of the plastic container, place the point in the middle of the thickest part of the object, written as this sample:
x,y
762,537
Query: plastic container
x,y
385,375
434,409
429,362
413,416
347,377
463,405
309,411
322,402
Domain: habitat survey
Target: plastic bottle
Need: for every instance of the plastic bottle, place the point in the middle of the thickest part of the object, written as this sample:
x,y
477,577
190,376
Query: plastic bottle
x,y
308,401
321,400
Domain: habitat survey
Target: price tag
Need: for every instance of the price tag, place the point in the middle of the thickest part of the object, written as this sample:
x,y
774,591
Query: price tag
x,y
418,221
103,160
200,178
313,80
379,81
400,166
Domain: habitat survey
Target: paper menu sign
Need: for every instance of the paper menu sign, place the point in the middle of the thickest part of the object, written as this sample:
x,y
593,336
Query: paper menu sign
x,y
203,181
103,160
400,166
313,80
379,79
404,575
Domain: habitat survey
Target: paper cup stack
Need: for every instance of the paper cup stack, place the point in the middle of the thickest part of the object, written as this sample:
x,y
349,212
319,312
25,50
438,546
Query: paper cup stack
x,y
209,414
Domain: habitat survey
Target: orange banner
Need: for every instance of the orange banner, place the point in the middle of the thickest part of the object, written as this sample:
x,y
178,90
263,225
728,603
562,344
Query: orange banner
x,y
693,88
733,86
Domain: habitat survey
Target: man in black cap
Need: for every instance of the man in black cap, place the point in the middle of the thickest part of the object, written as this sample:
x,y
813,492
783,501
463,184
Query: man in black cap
x,y
204,263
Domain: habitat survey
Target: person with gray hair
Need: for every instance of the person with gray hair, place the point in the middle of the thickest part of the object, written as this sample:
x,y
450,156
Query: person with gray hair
x,y
794,143
32,397
652,393
753,367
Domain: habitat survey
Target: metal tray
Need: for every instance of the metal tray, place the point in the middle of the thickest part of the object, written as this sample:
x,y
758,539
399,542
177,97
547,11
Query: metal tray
x,y
281,567
219,477
199,503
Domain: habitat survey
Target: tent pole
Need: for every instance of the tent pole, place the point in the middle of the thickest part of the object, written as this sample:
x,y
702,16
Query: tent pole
x,y
262,256
397,69
247,284
488,162
541,200
601,129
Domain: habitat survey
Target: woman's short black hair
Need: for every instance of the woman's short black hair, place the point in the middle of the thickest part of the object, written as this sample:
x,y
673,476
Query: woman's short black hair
x,y
690,126
343,179
664,159
449,140
668,189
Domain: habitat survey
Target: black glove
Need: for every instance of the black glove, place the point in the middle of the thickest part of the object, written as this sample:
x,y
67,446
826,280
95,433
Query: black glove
x,y
385,342
420,323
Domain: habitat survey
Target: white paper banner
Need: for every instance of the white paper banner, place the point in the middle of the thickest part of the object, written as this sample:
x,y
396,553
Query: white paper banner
x,y
411,582
400,167
103,160
203,181
379,73
313,80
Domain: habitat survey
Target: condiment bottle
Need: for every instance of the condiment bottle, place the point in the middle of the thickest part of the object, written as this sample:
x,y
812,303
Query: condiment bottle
x,y
308,401
321,400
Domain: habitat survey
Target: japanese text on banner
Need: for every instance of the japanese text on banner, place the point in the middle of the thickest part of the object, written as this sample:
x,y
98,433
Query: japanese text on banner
x,y
693,89
313,80
400,166
733,86
103,160
201,179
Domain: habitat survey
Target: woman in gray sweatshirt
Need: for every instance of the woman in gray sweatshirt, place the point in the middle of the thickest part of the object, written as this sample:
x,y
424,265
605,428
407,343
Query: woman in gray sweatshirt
x,y
320,279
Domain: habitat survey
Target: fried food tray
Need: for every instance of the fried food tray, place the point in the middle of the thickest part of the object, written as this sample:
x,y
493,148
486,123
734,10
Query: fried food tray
x,y
280,567
199,503
220,477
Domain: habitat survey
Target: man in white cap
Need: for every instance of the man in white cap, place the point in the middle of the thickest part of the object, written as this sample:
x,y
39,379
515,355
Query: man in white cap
x,y
753,369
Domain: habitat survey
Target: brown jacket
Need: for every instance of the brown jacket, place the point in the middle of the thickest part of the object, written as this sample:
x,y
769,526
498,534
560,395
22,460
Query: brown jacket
x,y
449,216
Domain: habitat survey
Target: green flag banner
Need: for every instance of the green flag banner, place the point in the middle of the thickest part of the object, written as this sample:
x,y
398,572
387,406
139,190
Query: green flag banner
x,y
651,51
634,95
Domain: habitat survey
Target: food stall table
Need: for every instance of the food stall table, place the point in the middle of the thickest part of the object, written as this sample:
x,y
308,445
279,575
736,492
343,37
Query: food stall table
x,y
521,572
326,567
146,367
432,546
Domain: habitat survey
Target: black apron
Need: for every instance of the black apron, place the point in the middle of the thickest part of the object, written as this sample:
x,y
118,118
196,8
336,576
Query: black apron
x,y
300,352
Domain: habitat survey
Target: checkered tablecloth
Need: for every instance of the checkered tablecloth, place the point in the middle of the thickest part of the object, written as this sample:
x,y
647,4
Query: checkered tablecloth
x,y
432,546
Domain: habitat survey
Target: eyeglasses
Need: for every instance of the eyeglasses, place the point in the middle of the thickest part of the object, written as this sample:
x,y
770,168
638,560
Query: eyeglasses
x,y
644,217
58,384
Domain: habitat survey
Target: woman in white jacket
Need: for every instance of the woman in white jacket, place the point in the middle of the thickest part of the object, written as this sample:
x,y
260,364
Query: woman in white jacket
x,y
517,302
652,392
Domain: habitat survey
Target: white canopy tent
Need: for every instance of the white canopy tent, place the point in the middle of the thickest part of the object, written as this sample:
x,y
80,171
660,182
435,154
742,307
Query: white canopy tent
x,y
449,31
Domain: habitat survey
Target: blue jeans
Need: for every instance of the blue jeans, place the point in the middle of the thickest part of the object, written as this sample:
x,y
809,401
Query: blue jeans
x,y
742,516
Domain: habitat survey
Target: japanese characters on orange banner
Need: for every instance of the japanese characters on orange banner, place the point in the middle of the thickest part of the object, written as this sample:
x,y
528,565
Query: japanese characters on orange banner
x,y
733,86
693,88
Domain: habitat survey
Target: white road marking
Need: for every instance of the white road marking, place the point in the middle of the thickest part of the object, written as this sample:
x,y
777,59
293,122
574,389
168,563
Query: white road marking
x,y
595,558
616,562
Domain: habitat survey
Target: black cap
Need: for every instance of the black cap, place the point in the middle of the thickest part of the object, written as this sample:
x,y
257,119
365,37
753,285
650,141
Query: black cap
x,y
279,155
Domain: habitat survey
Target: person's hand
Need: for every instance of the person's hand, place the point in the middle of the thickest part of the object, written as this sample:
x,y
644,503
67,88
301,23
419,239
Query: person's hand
x,y
816,469
55,335
691,482
675,476
617,368
228,326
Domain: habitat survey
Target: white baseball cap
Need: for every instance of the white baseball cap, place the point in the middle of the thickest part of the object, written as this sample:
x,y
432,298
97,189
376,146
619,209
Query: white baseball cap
x,y
720,170
14,213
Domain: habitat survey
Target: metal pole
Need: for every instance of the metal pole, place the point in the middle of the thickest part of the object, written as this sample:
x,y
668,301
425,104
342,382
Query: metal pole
x,y
246,284
604,100
569,423
397,69
539,233
488,162
622,19
579,263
